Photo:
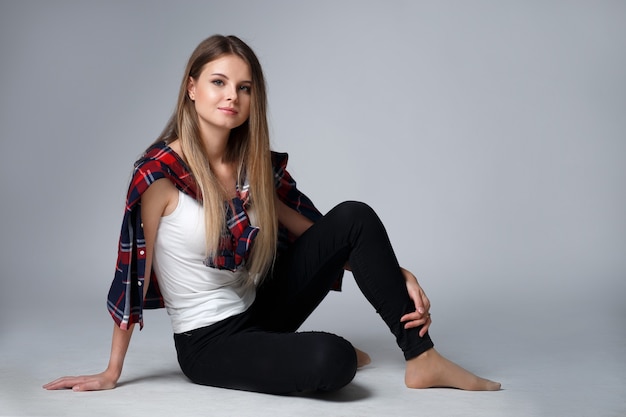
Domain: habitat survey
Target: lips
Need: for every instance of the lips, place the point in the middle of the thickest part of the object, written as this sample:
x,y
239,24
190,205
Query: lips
x,y
228,110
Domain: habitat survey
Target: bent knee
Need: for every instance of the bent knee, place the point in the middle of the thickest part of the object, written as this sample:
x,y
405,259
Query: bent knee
x,y
350,211
334,362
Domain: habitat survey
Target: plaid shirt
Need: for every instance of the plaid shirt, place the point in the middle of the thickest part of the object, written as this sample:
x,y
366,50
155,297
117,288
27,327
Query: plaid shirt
x,y
125,299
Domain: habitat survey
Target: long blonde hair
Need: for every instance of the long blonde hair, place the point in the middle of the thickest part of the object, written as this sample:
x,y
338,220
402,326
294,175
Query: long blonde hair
x,y
248,148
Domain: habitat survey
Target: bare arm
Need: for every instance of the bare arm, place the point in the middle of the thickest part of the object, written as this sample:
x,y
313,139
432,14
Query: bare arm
x,y
294,221
160,199
291,219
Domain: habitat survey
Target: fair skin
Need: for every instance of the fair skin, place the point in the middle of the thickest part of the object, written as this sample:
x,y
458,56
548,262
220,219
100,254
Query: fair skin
x,y
222,99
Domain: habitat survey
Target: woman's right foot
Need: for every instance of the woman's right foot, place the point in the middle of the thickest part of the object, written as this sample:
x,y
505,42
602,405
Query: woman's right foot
x,y
431,370
362,358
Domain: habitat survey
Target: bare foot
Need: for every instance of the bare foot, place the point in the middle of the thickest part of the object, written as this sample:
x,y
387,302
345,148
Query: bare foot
x,y
430,370
362,358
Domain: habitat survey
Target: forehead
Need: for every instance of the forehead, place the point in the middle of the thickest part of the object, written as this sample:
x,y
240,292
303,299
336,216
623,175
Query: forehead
x,y
231,66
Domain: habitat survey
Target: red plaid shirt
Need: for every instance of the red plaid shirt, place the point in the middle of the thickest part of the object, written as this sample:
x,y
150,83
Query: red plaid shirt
x,y
125,299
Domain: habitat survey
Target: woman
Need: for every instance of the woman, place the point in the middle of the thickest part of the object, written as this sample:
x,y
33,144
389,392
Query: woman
x,y
216,232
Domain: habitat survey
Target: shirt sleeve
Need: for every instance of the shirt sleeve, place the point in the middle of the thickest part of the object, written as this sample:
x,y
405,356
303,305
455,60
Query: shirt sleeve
x,y
125,300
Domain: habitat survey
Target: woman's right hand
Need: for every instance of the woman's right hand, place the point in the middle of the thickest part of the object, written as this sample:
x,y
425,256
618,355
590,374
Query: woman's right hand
x,y
101,381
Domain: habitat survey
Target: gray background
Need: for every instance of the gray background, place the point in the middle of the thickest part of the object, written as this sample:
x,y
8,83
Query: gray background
x,y
489,136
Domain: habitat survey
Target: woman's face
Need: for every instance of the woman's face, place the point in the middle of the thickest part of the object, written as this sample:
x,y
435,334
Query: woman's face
x,y
222,94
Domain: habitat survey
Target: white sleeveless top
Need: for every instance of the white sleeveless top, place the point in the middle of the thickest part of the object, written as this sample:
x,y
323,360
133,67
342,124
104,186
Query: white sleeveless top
x,y
195,295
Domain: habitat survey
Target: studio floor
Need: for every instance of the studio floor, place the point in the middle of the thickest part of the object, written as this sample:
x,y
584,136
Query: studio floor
x,y
553,368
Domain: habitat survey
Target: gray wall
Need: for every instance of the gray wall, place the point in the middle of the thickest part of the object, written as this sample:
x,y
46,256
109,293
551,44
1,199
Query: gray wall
x,y
490,136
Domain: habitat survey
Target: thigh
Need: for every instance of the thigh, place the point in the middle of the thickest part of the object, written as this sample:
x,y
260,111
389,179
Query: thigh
x,y
277,363
303,276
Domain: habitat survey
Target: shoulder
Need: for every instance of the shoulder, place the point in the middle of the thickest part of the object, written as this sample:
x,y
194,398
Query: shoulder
x,y
157,170
176,147
159,161
162,161
161,197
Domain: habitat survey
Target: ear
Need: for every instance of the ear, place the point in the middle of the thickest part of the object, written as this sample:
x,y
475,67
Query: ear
x,y
191,88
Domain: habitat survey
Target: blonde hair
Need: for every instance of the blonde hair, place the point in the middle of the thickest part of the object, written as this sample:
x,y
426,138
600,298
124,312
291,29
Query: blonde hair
x,y
248,147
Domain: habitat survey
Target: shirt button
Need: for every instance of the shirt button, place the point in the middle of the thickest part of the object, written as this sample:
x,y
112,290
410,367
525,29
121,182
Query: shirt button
x,y
141,252
139,283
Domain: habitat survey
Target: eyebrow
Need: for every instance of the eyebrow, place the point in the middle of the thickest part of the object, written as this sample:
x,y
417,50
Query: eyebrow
x,y
219,74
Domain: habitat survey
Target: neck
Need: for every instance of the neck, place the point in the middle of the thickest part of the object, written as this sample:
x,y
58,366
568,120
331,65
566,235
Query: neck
x,y
215,144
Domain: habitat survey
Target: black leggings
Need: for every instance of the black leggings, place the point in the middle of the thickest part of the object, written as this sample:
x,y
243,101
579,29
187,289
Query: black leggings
x,y
259,350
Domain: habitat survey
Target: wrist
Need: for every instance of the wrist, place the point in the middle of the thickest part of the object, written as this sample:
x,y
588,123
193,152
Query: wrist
x,y
408,276
113,373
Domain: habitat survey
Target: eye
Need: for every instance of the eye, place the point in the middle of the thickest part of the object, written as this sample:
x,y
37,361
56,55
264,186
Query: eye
x,y
246,88
218,83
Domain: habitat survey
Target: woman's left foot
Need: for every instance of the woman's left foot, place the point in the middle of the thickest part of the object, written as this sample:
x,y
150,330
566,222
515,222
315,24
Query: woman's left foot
x,y
430,370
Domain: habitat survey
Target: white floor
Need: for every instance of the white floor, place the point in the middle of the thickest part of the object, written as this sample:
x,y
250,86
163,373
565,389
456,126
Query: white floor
x,y
548,365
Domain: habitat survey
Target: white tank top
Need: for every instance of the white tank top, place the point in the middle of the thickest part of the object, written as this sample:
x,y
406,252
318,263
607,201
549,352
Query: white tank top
x,y
195,295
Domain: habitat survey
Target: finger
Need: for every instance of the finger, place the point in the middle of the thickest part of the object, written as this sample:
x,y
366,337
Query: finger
x,y
426,326
419,304
410,317
61,383
413,316
94,384
423,321
416,296
80,387
56,381
415,323
100,382
85,386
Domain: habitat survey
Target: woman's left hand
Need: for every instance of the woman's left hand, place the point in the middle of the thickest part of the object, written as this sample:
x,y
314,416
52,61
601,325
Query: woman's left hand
x,y
421,315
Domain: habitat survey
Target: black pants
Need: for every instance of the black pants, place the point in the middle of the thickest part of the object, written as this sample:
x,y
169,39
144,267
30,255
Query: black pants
x,y
259,350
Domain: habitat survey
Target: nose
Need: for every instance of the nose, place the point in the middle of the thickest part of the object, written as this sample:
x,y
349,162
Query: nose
x,y
232,95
